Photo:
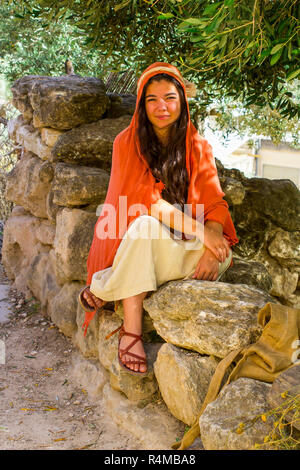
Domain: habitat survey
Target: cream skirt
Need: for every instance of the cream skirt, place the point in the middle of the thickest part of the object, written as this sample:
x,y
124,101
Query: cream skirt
x,y
148,256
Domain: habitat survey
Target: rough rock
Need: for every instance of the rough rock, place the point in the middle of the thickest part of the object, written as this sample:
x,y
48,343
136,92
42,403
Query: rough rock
x,y
284,280
26,188
41,280
49,136
153,425
89,374
88,345
267,204
288,384
29,137
52,208
75,185
285,247
63,308
73,238
46,172
20,90
293,300
120,105
238,402
137,389
251,273
61,102
90,144
23,239
207,317
45,232
234,190
183,378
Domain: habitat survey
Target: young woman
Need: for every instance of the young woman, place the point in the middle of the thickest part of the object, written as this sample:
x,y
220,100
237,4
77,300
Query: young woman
x,y
164,216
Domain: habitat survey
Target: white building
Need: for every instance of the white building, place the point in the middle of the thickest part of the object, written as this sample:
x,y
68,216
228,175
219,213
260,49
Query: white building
x,y
264,160
278,161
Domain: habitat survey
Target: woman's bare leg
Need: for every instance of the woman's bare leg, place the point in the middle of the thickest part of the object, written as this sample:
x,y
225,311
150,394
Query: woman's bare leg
x,y
133,311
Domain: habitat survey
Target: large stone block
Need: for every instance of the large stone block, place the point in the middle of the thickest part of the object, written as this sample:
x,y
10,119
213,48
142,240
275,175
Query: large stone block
x,y
90,143
24,238
89,374
45,232
63,308
284,279
267,204
207,317
183,378
236,408
41,280
285,389
29,137
285,247
88,345
152,425
251,273
60,102
137,389
120,105
26,186
73,238
20,90
75,185
49,136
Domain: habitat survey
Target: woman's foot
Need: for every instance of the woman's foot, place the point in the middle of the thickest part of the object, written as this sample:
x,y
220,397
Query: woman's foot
x,y
137,349
91,299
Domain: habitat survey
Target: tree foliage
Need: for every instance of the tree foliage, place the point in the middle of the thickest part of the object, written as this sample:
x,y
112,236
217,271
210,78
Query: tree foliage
x,y
246,50
243,56
28,45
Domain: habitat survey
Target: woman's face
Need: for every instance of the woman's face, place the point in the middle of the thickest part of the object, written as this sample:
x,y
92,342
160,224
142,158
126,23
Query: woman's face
x,y
162,102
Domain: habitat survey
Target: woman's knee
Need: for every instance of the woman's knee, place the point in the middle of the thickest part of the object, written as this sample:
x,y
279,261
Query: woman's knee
x,y
144,226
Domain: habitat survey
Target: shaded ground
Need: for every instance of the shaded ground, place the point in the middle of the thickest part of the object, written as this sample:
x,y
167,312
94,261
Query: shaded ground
x,y
40,407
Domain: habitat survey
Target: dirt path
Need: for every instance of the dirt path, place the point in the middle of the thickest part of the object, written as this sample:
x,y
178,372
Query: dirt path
x,y
40,407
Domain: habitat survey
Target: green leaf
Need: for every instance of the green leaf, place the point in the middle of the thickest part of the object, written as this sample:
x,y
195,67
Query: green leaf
x,y
276,57
18,15
121,5
211,8
165,16
193,21
192,29
212,44
265,53
213,24
251,44
196,38
277,48
293,74
290,50
183,25
223,41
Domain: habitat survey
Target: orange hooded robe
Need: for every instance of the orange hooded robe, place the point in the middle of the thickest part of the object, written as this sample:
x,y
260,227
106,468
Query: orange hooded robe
x,y
131,177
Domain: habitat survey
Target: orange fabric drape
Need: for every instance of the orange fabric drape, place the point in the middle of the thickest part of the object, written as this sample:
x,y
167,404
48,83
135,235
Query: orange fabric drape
x,y
132,187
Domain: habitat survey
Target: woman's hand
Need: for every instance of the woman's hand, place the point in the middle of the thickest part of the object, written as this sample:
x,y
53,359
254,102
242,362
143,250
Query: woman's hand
x,y
215,241
207,268
91,299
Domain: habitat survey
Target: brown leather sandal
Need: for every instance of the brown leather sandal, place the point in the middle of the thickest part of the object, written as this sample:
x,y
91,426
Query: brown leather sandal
x,y
122,352
84,303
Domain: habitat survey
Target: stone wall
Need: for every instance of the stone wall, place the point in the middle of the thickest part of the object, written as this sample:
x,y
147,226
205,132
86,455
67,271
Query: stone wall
x,y
66,128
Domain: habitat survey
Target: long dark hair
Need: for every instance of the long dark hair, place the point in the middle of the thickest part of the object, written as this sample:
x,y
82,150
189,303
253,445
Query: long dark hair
x,y
167,164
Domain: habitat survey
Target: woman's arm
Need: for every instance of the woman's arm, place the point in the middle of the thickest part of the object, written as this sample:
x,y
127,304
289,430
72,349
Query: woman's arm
x,y
211,234
176,219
